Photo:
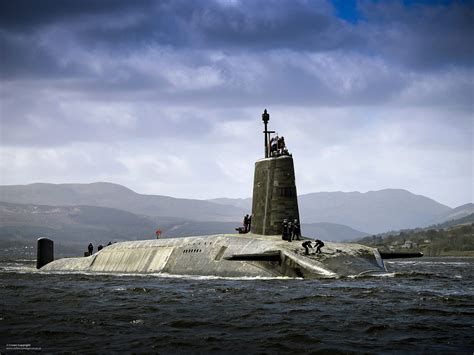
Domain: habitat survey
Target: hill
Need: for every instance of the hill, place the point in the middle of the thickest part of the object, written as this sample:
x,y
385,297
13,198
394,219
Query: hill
x,y
454,222
373,211
326,231
75,223
331,231
24,223
102,194
456,213
455,237
244,203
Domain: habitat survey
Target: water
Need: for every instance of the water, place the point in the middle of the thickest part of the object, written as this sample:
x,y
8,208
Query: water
x,y
422,306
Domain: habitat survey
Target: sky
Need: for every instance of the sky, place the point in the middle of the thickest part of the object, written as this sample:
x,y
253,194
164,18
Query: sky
x,y
166,97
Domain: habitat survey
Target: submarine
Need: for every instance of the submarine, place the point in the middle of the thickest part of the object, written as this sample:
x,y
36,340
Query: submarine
x,y
259,252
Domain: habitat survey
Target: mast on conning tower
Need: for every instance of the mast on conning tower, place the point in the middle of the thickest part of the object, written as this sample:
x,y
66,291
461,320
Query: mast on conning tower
x,y
266,132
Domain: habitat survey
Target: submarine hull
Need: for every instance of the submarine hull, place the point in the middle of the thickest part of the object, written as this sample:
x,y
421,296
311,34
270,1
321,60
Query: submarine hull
x,y
226,255
261,253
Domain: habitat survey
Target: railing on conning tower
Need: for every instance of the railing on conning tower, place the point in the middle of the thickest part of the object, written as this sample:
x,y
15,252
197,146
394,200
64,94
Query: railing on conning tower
x,y
275,146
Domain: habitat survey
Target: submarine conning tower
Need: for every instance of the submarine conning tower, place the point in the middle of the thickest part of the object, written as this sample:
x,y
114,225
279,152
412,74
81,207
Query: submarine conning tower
x,y
274,188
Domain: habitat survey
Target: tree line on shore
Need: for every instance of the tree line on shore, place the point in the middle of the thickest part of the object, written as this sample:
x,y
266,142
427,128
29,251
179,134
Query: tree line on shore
x,y
438,240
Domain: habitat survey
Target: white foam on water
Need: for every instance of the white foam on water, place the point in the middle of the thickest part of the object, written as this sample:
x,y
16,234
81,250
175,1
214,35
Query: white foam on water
x,y
168,276
449,263
17,268
212,277
364,275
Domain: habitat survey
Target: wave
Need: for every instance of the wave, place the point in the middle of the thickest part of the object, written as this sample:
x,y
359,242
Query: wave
x,y
369,276
166,275
436,263
19,268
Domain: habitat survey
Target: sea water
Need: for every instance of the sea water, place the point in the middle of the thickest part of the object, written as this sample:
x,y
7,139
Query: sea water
x,y
420,306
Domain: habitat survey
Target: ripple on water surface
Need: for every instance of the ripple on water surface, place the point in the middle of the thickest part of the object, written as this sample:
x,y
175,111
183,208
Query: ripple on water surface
x,y
420,306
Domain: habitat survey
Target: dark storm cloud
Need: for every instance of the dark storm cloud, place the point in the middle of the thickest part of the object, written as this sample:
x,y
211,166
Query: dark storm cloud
x,y
421,36
206,24
28,15
118,27
270,25
222,54
25,57
416,36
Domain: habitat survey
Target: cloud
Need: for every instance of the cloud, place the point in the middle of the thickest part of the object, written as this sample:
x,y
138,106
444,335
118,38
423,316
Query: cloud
x,y
166,96
421,37
28,15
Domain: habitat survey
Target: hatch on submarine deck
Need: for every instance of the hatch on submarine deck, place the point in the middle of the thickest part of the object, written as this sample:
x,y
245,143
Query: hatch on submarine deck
x,y
259,253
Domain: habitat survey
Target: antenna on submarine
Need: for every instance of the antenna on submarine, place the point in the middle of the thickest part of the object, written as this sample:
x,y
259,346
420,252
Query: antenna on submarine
x,y
266,132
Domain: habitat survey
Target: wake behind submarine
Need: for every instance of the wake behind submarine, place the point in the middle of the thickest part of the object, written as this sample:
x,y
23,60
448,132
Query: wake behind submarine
x,y
259,253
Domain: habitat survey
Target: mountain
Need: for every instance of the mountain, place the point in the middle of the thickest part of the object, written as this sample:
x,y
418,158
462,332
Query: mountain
x,y
331,231
244,203
101,194
79,225
192,228
456,213
76,223
74,227
373,211
469,219
326,231
453,238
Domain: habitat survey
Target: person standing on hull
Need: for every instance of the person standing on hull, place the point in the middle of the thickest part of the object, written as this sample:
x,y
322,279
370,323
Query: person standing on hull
x,y
284,229
296,230
90,248
290,231
246,223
